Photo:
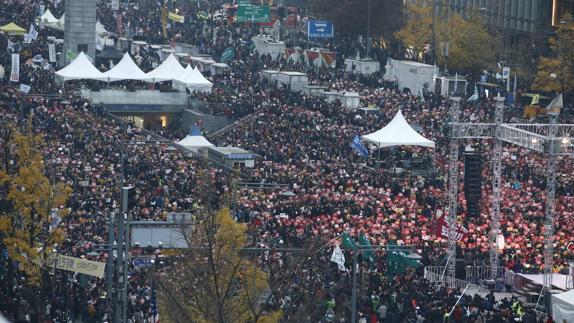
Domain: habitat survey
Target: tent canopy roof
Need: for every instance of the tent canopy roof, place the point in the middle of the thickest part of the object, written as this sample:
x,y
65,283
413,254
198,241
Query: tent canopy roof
x,y
126,69
48,17
192,76
14,29
170,69
195,139
398,133
80,69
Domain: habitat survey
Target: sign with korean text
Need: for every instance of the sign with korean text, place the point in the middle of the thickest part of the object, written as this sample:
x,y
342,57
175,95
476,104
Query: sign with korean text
x,y
320,29
82,266
250,13
15,69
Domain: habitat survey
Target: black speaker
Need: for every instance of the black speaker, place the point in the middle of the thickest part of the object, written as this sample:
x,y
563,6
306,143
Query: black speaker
x,y
473,182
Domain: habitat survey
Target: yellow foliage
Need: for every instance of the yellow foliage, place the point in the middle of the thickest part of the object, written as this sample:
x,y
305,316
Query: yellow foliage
x,y
471,48
271,318
556,73
33,197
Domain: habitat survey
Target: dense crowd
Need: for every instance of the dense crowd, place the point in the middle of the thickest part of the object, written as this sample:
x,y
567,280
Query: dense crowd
x,y
303,141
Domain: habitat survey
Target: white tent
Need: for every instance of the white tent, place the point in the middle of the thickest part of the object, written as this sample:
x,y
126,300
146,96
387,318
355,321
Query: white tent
x,y
193,80
398,133
563,307
194,140
168,70
126,69
80,69
48,17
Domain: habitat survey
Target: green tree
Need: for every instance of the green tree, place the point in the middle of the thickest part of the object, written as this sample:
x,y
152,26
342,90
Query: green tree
x,y
471,47
556,73
25,229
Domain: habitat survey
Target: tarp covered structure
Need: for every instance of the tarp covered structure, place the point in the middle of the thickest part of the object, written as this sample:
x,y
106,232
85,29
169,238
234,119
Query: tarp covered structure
x,y
80,69
126,69
13,29
193,80
194,140
169,69
563,307
398,133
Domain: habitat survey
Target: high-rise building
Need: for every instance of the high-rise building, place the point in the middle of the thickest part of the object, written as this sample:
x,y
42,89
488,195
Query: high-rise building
x,y
562,13
80,28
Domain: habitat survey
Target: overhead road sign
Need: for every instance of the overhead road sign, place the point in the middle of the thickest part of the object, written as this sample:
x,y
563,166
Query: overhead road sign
x,y
320,29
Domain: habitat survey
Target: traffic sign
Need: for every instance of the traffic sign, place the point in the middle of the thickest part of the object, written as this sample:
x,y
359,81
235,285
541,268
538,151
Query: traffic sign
x,y
249,13
320,29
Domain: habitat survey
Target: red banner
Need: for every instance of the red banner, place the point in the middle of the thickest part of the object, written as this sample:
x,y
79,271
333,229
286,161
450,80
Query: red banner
x,y
439,228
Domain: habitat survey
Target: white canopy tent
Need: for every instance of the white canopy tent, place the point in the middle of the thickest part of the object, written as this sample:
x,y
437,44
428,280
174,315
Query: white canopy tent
x,y
169,69
398,133
193,80
126,69
194,140
563,307
80,69
48,18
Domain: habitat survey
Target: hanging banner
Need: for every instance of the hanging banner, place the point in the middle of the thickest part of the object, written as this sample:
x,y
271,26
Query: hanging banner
x,y
82,266
52,53
440,226
15,70
176,17
25,88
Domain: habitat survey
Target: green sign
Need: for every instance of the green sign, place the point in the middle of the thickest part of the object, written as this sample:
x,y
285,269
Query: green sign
x,y
249,13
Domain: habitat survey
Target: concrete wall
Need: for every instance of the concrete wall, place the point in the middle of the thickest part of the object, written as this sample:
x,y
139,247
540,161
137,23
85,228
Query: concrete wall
x,y
138,97
209,122
80,27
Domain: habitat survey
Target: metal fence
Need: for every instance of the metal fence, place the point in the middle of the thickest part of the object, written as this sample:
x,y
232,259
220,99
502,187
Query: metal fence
x,y
436,274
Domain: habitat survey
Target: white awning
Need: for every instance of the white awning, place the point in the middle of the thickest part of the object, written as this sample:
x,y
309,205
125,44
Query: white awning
x,y
398,133
80,69
126,69
193,80
168,70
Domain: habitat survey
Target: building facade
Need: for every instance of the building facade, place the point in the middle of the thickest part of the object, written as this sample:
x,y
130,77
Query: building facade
x,y
562,13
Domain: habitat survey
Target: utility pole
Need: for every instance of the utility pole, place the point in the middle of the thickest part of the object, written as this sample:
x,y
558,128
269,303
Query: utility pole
x,y
369,31
434,31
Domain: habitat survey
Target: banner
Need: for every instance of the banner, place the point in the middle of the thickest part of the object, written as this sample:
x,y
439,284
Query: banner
x,y
176,17
82,266
15,70
398,261
71,55
228,54
439,228
25,88
52,53
339,258
358,145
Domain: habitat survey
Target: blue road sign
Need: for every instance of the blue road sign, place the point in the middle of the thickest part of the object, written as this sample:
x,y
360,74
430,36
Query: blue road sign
x,y
142,262
320,29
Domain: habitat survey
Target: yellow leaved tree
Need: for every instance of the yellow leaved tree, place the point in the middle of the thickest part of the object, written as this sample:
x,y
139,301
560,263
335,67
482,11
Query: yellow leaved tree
x,y
25,229
470,47
556,73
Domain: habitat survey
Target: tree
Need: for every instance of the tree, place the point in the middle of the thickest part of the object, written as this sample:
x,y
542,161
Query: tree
x,y
25,228
470,47
556,73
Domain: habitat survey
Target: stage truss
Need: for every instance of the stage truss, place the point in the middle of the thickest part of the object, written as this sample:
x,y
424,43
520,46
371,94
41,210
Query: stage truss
x,y
550,139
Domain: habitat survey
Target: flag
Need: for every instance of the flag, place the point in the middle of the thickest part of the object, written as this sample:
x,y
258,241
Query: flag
x,y
440,226
515,86
474,96
421,95
153,305
535,99
52,53
15,69
359,147
228,54
25,88
99,45
347,241
398,261
10,46
70,54
555,105
368,253
339,258
32,34
176,17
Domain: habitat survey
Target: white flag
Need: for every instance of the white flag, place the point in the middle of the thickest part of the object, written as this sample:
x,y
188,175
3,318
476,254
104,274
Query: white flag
x,y
555,105
52,53
10,46
339,258
15,69
32,34
99,45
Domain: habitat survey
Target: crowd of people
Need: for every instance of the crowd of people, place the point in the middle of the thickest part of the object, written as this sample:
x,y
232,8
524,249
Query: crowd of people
x,y
304,142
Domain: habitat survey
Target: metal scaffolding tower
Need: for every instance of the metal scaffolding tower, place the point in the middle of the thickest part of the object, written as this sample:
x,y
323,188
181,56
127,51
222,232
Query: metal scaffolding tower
x,y
551,139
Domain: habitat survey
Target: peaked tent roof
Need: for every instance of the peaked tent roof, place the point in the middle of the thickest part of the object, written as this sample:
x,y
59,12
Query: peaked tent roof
x,y
194,80
194,140
398,133
80,69
126,69
169,69
48,17
13,29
